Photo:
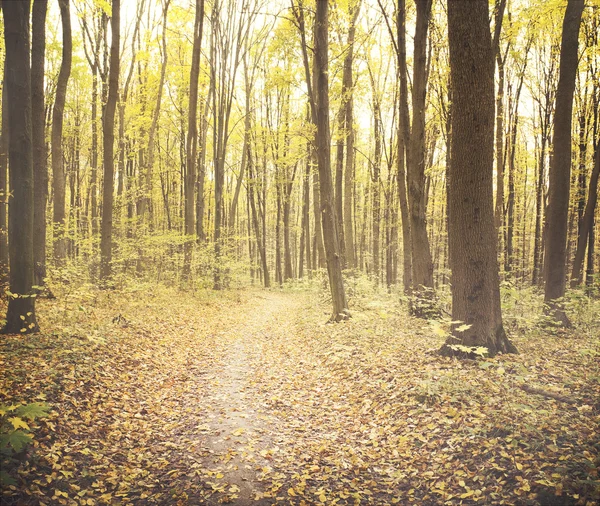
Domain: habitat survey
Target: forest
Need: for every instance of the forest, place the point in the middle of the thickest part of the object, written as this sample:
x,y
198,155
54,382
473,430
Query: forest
x,y
300,252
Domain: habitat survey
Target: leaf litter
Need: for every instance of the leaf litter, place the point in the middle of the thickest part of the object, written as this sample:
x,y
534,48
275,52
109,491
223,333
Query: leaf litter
x,y
251,399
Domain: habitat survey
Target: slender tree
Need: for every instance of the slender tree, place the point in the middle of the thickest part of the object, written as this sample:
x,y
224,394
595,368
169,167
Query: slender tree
x,y
472,234
422,264
58,170
40,164
555,264
108,131
20,315
330,236
192,138
4,185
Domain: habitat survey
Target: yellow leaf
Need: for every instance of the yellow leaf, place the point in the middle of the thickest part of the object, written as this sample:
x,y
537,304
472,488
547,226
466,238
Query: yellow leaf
x,y
238,432
291,492
218,476
467,494
17,423
322,497
519,466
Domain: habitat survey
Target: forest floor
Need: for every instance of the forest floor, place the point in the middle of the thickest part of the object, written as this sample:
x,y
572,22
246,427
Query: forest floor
x,y
248,397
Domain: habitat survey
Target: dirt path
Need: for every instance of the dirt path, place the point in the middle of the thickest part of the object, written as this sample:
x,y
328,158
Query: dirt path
x,y
239,433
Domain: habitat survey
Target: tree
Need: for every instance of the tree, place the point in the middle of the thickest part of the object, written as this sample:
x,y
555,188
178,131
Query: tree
x,y
108,131
422,265
330,236
192,136
555,264
4,261
472,234
40,164
20,315
58,171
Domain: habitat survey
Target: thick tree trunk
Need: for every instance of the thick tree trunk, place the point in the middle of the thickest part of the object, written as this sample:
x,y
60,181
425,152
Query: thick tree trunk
x,y
58,170
472,234
108,131
330,236
20,315
555,264
422,264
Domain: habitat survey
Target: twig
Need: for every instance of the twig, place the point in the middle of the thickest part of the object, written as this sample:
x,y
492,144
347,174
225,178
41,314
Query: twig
x,y
545,393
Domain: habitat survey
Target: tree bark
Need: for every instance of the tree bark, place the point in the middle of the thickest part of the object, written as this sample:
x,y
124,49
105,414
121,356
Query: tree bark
x,y
422,264
403,147
472,234
108,131
40,163
555,264
58,170
330,236
4,260
192,139
20,315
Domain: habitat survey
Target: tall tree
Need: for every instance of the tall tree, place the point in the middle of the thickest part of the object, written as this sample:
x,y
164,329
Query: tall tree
x,y
330,236
58,170
192,138
555,264
4,185
108,131
471,230
422,264
20,315
40,164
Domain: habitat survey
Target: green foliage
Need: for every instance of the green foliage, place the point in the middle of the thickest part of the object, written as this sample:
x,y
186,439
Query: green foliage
x,y
15,432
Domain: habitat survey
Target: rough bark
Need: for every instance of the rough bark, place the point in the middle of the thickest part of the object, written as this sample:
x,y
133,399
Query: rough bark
x,y
40,164
555,264
403,146
108,131
20,315
58,170
4,185
330,236
587,222
192,139
472,234
422,265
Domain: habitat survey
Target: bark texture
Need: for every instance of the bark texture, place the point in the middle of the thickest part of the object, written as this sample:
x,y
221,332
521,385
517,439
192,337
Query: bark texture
x,y
472,234
58,171
108,130
20,315
330,236
555,264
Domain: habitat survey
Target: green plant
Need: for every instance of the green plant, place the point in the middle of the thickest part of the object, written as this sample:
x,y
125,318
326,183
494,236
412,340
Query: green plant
x,y
15,433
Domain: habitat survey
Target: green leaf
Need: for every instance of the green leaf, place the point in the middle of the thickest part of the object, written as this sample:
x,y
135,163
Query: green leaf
x,y
33,410
16,439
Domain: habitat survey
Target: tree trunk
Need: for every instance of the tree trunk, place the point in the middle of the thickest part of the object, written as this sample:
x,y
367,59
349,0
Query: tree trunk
x,y
560,166
330,236
403,146
422,264
40,164
192,138
472,234
587,222
4,185
58,170
108,131
20,315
